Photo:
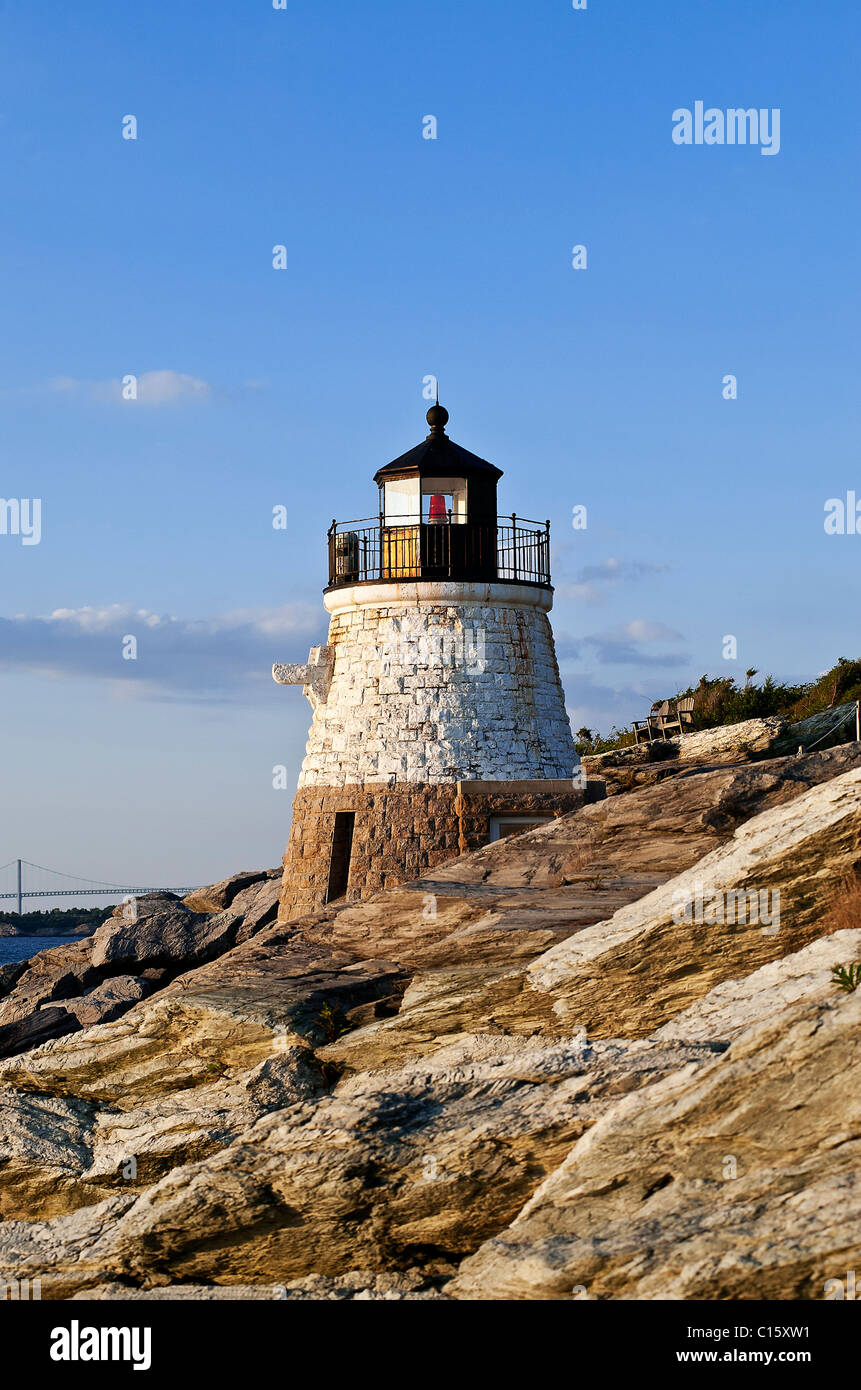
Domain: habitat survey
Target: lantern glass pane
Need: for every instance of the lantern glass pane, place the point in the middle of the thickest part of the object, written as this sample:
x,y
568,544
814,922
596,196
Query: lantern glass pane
x,y
453,490
401,502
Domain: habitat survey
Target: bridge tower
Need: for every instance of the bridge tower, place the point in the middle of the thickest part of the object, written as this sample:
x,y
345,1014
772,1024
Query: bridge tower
x,y
439,719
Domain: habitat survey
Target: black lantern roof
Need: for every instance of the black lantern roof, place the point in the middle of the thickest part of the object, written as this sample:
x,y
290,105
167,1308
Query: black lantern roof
x,y
466,542
438,456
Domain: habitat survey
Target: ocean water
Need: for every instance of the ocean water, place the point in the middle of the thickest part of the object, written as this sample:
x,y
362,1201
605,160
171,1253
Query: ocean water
x,y
20,947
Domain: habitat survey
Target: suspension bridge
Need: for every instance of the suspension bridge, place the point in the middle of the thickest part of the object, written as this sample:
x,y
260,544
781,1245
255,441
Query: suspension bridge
x,y
20,880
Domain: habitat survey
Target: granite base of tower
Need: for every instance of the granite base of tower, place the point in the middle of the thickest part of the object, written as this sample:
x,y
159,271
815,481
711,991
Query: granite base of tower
x,y
351,841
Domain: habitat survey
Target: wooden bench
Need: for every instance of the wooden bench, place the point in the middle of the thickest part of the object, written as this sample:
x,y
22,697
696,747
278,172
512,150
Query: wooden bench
x,y
663,716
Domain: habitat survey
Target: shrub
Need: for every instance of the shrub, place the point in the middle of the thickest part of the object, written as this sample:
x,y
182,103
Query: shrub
x,y
333,1023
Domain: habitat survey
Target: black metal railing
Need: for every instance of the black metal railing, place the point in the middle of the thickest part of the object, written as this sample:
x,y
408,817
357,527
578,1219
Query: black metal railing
x,y
508,548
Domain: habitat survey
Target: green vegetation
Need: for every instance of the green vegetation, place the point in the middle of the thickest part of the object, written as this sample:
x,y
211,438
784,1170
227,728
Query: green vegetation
x,y
847,977
720,700
332,1023
59,920
590,741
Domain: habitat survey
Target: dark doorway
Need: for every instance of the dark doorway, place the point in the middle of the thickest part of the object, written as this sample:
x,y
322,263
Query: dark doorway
x,y
342,848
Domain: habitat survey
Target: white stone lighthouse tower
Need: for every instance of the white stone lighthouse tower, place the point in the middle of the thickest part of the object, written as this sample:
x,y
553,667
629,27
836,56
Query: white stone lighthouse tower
x,y
439,718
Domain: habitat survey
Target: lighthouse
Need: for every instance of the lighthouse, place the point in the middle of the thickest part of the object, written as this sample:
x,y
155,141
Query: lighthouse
x,y
439,719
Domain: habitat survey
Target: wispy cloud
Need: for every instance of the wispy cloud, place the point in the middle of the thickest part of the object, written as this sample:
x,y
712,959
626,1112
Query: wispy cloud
x,y
592,704
614,571
213,659
153,388
627,645
586,585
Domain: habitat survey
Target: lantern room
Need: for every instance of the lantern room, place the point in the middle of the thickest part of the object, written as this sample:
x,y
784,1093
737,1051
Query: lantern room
x,y
437,482
437,519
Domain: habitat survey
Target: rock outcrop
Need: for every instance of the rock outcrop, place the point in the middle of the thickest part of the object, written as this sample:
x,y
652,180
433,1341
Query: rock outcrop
x,y
109,999
143,945
241,891
736,1180
59,973
751,740
553,1068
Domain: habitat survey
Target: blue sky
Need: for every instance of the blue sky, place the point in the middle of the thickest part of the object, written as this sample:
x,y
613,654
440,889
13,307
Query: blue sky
x,y
405,257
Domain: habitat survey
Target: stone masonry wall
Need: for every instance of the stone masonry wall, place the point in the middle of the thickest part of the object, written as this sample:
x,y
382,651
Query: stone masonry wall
x,y
400,832
437,691
477,805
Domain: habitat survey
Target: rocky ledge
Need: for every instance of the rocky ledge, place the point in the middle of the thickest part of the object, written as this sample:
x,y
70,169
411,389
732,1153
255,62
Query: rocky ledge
x,y
143,945
642,764
559,1067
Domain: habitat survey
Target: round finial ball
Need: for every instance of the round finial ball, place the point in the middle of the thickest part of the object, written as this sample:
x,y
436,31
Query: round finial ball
x,y
437,418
